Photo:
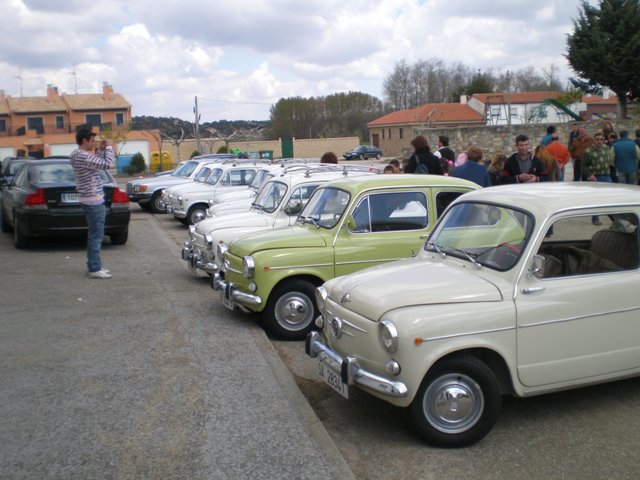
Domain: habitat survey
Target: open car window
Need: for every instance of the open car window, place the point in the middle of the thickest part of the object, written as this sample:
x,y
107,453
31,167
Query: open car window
x,y
575,246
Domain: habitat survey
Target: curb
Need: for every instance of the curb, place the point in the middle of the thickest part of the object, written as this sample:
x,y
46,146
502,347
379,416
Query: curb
x,y
301,407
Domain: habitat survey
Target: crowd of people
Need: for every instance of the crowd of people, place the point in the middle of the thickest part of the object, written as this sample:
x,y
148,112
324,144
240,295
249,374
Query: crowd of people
x,y
606,156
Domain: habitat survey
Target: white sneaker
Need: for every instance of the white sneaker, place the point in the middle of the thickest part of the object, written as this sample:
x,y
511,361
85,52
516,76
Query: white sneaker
x,y
100,274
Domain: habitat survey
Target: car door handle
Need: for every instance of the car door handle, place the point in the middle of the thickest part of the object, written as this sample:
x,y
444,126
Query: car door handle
x,y
532,290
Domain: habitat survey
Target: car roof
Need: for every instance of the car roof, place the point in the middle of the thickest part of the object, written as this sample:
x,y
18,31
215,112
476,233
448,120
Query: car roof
x,y
365,182
49,161
546,198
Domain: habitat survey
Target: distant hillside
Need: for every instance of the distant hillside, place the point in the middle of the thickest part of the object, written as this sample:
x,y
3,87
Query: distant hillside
x,y
171,126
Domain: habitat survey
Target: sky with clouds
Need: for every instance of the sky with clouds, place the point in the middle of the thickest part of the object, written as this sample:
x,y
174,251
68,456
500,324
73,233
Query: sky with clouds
x,y
239,57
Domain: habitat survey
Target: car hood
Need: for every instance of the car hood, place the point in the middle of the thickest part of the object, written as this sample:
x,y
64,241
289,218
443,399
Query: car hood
x,y
242,219
279,238
161,182
410,282
191,187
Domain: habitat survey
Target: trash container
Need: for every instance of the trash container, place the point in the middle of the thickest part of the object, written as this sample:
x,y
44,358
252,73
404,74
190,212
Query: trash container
x,y
266,154
123,162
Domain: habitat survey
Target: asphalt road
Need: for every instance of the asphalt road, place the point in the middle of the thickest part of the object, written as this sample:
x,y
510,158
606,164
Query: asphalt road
x,y
143,376
147,376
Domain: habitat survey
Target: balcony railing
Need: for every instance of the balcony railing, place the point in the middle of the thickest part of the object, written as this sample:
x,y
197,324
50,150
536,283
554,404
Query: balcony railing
x,y
49,129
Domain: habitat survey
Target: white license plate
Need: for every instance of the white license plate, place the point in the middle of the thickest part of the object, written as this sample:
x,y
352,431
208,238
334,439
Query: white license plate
x,y
332,379
69,198
227,302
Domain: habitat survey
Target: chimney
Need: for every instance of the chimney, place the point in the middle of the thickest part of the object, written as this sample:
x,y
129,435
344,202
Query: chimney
x,y
606,93
463,99
107,90
51,91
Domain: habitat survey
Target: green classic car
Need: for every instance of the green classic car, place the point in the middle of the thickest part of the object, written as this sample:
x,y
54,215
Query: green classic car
x,y
347,225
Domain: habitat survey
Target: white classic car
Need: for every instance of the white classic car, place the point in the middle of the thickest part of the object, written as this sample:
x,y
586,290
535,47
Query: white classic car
x,y
520,290
188,203
225,203
278,204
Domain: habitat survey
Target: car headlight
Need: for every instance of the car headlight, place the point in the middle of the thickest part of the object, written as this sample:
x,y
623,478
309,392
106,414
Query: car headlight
x,y
208,241
388,336
321,298
221,250
248,266
140,188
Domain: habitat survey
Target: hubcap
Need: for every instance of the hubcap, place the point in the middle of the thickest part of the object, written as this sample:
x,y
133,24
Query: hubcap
x,y
197,216
294,311
453,403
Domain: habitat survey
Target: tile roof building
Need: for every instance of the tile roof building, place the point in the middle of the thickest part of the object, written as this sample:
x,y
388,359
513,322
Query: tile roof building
x,y
46,125
393,132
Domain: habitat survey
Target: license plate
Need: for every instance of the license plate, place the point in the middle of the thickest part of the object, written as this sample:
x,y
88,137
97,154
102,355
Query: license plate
x,y
332,379
227,302
69,198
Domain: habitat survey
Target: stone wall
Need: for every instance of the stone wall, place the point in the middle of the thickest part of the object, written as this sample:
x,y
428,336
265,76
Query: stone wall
x,y
493,139
302,148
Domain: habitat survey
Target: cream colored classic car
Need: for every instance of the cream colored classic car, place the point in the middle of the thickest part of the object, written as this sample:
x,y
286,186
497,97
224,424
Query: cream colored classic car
x,y
519,290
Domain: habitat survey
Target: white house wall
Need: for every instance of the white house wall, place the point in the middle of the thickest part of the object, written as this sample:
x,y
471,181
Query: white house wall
x,y
134,146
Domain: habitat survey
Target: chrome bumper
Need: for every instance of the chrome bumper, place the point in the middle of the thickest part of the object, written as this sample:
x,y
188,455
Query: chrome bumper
x,y
194,261
350,371
232,292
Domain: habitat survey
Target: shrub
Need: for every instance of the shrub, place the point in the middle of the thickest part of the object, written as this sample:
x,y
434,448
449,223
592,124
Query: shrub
x,y
195,153
137,164
223,149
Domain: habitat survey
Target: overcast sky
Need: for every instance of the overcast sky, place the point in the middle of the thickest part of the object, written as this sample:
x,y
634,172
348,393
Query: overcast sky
x,y
239,57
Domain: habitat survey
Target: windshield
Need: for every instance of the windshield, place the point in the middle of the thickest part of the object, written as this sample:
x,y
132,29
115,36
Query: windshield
x,y
260,179
325,208
185,170
12,167
486,235
270,197
214,176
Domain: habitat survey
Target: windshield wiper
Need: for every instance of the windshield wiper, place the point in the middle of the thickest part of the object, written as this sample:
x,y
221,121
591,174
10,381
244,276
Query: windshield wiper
x,y
309,219
470,257
437,248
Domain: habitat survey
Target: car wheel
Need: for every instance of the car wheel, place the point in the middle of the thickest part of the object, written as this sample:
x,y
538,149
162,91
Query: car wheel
x,y
4,225
119,238
195,214
20,240
291,310
457,404
145,206
157,204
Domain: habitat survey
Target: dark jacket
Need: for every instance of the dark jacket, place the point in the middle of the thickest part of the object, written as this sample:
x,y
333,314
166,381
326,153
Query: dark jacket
x,y
512,170
426,157
626,156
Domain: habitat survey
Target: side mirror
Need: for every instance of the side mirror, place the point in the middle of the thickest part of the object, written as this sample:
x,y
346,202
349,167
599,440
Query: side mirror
x,y
537,266
294,207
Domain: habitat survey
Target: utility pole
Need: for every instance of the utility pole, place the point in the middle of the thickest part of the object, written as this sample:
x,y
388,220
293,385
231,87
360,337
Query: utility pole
x,y
196,134
74,74
19,77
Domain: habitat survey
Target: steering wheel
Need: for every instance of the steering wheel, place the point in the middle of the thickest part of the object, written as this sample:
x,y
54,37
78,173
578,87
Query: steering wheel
x,y
515,249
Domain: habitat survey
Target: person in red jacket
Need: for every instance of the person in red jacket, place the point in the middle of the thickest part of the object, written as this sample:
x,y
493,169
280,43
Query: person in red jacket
x,y
560,153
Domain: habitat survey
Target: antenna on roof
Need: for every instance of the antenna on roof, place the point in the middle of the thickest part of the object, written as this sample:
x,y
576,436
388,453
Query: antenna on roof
x,y
75,78
19,77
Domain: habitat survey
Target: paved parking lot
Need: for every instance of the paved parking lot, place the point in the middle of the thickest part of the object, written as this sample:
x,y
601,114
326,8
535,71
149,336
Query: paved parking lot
x,y
147,376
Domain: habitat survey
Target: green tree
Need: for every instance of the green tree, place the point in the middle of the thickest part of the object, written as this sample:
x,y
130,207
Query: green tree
x,y
605,46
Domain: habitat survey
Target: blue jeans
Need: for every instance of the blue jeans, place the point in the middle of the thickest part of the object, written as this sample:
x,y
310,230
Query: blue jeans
x,y
630,178
96,215
605,179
